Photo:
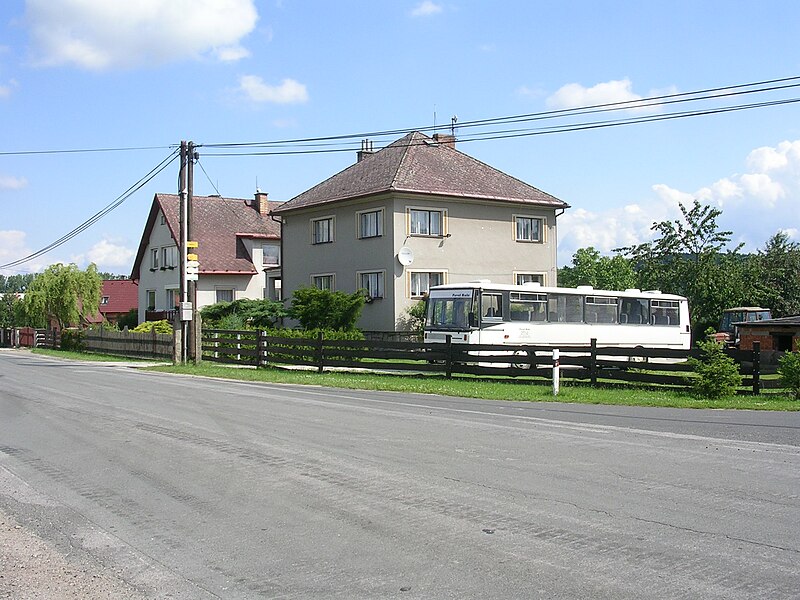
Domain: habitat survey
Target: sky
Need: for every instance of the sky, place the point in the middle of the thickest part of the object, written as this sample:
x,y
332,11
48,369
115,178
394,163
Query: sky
x,y
142,76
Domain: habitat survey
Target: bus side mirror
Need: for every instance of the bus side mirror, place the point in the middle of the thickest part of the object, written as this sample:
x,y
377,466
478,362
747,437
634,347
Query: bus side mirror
x,y
473,322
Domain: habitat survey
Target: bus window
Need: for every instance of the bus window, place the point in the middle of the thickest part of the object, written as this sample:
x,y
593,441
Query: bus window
x,y
565,308
601,309
528,307
634,311
449,313
664,312
492,306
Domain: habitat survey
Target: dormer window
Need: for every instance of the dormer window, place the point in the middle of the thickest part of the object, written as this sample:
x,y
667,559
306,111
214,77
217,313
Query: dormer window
x,y
271,255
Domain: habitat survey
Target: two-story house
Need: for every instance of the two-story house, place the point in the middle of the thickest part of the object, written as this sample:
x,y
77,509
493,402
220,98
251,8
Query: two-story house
x,y
239,252
416,214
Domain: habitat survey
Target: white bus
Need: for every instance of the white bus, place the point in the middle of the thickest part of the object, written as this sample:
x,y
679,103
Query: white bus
x,y
481,312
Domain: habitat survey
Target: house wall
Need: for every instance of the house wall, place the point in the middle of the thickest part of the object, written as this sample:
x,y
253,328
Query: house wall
x,y
161,279
479,243
243,286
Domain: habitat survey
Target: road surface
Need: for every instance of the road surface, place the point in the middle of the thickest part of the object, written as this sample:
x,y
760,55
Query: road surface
x,y
180,487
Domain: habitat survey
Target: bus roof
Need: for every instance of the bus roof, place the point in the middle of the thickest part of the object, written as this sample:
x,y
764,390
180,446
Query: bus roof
x,y
585,290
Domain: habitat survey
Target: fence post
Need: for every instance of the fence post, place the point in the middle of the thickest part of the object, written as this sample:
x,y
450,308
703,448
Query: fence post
x,y
320,355
448,361
593,362
756,367
556,372
262,360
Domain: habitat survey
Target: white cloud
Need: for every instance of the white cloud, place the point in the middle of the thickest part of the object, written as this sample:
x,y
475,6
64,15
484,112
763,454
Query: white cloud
x,y
288,92
12,247
7,182
232,53
107,255
574,95
755,205
426,9
103,34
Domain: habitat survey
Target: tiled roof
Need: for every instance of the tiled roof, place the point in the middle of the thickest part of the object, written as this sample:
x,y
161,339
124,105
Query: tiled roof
x,y
416,163
793,321
218,225
122,295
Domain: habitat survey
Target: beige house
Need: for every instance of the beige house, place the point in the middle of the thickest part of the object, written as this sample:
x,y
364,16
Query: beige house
x,y
416,214
238,250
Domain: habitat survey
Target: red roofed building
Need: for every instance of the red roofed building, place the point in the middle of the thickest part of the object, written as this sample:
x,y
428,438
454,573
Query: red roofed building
x,y
117,298
239,251
413,215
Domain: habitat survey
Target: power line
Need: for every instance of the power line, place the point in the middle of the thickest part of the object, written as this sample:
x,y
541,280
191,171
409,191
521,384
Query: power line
x,y
98,215
81,150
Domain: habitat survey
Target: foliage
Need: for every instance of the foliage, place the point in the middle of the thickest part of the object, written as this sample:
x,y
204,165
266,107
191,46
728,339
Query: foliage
x,y
414,318
63,293
9,309
72,340
243,314
162,326
717,373
602,272
324,309
689,258
14,284
777,276
129,319
328,334
789,371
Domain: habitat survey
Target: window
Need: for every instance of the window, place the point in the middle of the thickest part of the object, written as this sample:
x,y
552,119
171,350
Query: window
x,y
492,306
564,308
664,312
528,307
601,309
224,295
271,255
104,300
323,282
422,282
370,224
172,298
163,219
523,278
151,299
169,256
154,261
427,222
372,282
634,311
529,229
322,230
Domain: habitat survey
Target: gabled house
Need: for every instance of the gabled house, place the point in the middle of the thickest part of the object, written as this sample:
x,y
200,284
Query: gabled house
x,y
117,298
416,214
238,250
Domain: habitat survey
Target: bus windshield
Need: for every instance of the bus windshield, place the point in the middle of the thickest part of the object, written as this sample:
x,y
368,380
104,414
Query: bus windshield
x,y
450,309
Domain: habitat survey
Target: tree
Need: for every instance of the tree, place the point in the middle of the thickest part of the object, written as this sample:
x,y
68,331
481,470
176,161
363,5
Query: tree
x,y
717,374
260,314
63,293
602,272
15,283
324,309
777,276
9,310
690,258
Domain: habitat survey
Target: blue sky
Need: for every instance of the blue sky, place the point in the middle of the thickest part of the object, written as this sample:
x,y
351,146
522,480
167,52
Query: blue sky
x,y
89,74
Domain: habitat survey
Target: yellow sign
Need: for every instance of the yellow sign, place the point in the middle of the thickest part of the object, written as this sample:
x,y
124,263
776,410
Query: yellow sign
x,y
191,257
191,244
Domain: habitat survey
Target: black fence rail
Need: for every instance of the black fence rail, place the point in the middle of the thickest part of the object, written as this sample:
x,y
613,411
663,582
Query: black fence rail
x,y
664,368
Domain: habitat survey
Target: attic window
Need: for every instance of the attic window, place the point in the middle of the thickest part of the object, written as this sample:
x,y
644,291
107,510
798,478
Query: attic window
x,y
104,300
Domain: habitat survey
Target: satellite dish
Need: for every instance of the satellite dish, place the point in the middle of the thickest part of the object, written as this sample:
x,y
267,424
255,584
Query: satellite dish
x,y
405,256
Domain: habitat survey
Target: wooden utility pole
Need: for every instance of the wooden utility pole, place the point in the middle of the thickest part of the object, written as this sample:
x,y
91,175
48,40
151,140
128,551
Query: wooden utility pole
x,y
184,220
195,351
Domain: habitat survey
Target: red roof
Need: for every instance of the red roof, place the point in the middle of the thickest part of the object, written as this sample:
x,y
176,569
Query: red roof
x,y
122,296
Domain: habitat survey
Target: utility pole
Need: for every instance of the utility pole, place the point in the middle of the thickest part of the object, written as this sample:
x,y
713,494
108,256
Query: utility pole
x,y
184,220
194,345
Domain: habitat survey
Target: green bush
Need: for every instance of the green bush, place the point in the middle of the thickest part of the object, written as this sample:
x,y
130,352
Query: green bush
x,y
327,334
326,310
162,326
244,313
717,373
414,317
129,319
789,370
72,339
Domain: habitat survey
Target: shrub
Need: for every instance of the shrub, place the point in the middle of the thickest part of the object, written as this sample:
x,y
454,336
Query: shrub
x,y
414,317
162,326
129,319
789,370
326,310
244,313
328,334
717,373
72,339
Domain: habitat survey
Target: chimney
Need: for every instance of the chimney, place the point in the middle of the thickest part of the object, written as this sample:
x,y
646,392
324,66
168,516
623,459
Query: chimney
x,y
366,150
262,205
445,139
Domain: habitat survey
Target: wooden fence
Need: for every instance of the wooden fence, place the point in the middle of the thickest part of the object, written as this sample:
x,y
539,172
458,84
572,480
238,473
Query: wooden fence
x,y
591,363
127,343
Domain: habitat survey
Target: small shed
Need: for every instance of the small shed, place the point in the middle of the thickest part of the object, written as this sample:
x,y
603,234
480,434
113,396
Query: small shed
x,y
782,335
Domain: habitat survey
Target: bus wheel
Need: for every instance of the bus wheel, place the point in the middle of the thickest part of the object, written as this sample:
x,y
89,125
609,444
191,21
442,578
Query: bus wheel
x,y
524,358
638,359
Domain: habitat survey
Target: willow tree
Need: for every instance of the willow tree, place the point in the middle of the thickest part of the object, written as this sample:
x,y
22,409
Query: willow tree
x,y
63,293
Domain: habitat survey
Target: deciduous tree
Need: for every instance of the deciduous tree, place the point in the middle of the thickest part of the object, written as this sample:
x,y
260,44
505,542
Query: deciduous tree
x,y
602,272
64,293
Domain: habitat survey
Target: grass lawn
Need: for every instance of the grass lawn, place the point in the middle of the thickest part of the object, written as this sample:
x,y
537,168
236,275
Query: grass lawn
x,y
470,387
70,355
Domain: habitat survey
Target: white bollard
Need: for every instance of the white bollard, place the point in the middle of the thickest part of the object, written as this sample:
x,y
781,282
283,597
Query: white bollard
x,y
556,372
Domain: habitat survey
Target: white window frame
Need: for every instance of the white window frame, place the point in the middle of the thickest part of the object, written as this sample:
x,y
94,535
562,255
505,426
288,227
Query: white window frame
x,y
219,289
332,230
421,294
410,221
381,283
264,262
319,276
104,300
515,223
155,255
147,296
172,298
163,219
520,274
169,257
378,212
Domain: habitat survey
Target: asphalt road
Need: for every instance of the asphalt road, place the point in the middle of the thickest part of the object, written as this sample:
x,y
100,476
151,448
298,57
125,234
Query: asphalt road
x,y
195,488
